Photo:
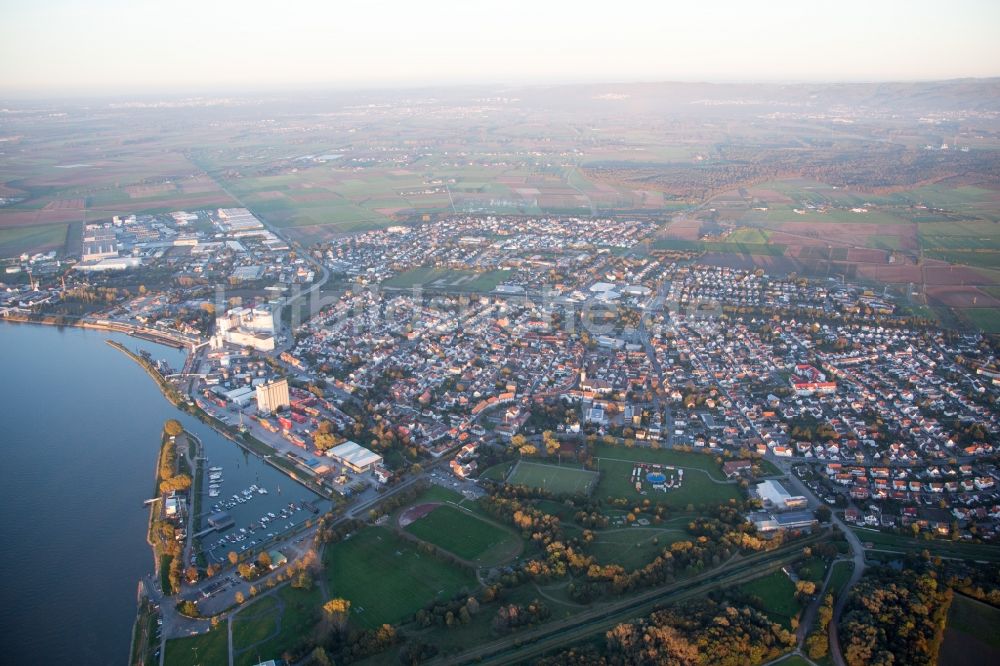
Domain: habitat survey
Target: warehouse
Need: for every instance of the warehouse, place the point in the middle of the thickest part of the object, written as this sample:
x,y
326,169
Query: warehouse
x,y
354,456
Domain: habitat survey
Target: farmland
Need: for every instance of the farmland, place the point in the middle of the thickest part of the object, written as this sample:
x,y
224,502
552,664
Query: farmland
x,y
465,535
569,480
386,579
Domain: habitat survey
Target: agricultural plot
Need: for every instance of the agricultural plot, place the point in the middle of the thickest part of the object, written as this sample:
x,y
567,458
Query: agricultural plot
x,y
555,479
32,238
463,534
386,579
985,319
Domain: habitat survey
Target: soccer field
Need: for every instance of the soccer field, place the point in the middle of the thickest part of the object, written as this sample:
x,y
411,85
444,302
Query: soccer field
x,y
555,479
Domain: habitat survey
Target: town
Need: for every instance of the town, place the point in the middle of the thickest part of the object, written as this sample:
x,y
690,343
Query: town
x,y
452,360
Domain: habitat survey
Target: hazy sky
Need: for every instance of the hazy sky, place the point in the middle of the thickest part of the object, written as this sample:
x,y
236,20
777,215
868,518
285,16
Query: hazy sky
x,y
77,46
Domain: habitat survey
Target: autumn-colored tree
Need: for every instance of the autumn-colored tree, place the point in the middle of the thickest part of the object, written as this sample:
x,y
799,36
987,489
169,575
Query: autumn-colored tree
x,y
336,611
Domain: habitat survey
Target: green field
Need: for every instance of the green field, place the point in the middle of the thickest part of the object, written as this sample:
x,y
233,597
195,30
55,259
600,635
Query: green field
x,y
559,480
838,579
697,488
734,247
813,569
386,579
497,472
632,547
466,536
208,648
986,320
975,618
685,459
15,240
428,277
269,627
776,592
905,544
971,635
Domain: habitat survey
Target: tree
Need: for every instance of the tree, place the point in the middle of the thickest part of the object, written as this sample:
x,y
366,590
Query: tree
x,y
335,611
233,557
239,597
173,427
264,560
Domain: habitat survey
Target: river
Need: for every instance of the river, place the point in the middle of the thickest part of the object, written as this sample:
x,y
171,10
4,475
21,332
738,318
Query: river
x,y
80,436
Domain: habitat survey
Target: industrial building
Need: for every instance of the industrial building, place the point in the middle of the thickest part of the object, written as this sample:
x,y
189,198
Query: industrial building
x,y
765,521
272,396
354,457
246,327
775,497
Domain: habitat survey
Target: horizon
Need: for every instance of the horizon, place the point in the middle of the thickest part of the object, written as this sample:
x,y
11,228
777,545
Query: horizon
x,y
131,49
321,88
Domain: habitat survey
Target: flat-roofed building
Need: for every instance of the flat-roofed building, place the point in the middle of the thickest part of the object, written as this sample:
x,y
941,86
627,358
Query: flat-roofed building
x,y
355,457
774,496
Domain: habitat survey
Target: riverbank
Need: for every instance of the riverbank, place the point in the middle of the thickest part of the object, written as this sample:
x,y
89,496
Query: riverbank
x,y
141,332
244,440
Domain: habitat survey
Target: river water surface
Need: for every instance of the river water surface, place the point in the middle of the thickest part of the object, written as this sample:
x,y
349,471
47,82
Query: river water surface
x,y
79,438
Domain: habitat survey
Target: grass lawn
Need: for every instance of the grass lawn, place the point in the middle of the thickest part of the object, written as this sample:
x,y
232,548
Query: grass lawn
x,y
777,594
976,618
813,569
386,579
428,277
210,648
971,635
556,479
683,459
255,623
465,535
632,547
841,574
697,488
497,472
903,544
793,660
283,619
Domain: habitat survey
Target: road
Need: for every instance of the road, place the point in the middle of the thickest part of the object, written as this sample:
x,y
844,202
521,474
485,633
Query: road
x,y
857,555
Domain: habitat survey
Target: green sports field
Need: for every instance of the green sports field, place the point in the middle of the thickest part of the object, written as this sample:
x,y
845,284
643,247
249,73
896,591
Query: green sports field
x,y
559,480
386,579
465,535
